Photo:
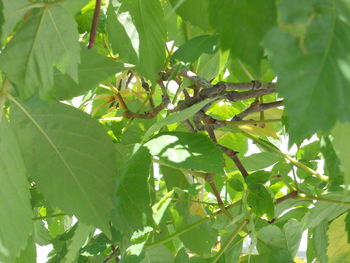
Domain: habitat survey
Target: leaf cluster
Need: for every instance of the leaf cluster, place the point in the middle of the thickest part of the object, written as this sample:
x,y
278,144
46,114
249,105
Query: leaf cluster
x,y
175,131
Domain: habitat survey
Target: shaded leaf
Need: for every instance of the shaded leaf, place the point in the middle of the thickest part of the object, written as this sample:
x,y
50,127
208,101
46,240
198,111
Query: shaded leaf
x,y
76,168
199,239
320,241
80,236
46,40
260,201
28,255
193,11
16,212
308,63
141,24
159,254
242,26
92,70
192,49
173,177
12,12
133,204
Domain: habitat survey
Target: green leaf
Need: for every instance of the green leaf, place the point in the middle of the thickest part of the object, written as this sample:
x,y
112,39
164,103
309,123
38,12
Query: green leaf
x,y
192,49
260,201
182,256
16,212
199,239
280,245
159,254
332,162
74,6
187,150
76,167
12,12
209,65
28,255
258,177
320,241
193,11
173,177
161,207
308,63
342,143
326,210
137,32
93,70
236,141
176,117
41,234
46,40
347,225
242,26
293,232
258,161
133,204
81,234
309,151
338,249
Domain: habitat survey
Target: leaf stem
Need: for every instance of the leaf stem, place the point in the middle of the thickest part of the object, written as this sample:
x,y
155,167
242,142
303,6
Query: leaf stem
x,y
194,201
230,240
48,216
321,199
189,227
286,156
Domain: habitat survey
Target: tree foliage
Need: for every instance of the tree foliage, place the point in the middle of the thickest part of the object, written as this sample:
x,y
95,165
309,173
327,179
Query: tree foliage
x,y
175,131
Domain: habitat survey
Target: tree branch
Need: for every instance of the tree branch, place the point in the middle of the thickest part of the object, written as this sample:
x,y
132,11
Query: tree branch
x,y
257,107
233,155
254,85
94,24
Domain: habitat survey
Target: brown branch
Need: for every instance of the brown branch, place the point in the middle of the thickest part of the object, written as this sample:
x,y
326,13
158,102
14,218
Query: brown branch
x,y
257,107
94,24
131,75
287,196
238,96
147,88
233,155
254,85
207,124
222,93
189,126
198,81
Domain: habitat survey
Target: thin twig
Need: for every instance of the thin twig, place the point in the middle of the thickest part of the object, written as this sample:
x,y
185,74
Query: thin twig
x,y
201,221
285,156
287,196
114,254
94,24
230,240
